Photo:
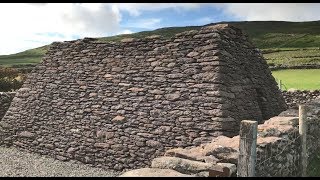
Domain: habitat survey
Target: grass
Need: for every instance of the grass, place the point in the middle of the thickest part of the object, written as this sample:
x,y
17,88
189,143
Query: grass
x,y
301,79
292,56
313,169
32,56
280,34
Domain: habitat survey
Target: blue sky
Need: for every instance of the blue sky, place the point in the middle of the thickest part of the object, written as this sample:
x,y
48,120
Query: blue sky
x,y
167,18
30,25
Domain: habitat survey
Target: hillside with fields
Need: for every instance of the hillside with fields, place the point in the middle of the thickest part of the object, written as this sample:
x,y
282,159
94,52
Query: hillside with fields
x,y
289,43
283,44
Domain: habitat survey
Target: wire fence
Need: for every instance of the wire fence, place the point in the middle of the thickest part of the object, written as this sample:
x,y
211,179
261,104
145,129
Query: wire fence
x,y
288,150
313,146
281,85
281,157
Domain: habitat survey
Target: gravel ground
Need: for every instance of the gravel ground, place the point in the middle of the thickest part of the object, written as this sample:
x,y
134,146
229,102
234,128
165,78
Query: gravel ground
x,y
14,162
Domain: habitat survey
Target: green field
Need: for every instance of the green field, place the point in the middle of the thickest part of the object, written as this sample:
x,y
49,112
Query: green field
x,y
301,79
292,56
32,56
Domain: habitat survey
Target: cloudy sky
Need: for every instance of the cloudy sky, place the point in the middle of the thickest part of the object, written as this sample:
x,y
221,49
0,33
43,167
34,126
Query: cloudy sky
x,y
25,26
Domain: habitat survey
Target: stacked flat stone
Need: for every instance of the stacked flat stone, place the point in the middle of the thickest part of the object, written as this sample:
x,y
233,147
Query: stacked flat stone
x,y
5,101
119,105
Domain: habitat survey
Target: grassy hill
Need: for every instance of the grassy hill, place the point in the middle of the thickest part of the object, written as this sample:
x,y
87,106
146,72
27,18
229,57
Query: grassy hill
x,y
288,43
25,58
264,34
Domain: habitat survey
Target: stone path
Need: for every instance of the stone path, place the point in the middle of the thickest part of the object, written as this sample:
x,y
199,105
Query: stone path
x,y
14,162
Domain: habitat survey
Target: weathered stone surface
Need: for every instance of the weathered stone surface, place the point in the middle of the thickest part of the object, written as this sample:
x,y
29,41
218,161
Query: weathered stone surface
x,y
227,170
61,158
5,101
156,91
135,89
27,134
181,165
154,172
192,54
173,96
5,125
232,169
224,148
118,118
153,143
191,155
101,145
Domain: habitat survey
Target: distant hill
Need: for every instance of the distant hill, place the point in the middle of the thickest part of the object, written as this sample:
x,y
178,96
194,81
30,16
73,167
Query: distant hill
x,y
283,43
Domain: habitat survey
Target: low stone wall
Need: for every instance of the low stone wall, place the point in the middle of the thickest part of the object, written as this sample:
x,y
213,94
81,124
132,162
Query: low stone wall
x,y
294,98
280,154
278,145
311,66
5,101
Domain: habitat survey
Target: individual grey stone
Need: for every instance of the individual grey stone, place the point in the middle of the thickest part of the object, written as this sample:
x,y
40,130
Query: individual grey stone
x,y
156,91
101,145
232,168
174,76
170,65
135,89
173,96
27,134
118,118
161,69
192,54
153,143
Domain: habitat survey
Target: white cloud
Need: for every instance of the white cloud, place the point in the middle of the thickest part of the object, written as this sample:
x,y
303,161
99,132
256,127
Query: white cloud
x,y
126,31
273,11
136,8
23,24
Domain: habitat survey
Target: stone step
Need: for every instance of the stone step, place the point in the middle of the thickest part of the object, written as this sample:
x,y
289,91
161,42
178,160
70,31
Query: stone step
x,y
154,172
185,166
186,154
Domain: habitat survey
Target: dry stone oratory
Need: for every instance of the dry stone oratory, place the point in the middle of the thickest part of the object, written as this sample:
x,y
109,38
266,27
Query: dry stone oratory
x,y
119,105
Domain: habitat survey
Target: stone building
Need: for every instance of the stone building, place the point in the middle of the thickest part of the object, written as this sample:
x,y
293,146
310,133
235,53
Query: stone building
x,y
118,105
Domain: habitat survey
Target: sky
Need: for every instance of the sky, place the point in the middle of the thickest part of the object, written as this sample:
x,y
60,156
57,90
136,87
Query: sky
x,y
29,25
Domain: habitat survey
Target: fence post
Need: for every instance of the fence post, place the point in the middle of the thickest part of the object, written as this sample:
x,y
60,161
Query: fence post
x,y
303,135
279,84
247,148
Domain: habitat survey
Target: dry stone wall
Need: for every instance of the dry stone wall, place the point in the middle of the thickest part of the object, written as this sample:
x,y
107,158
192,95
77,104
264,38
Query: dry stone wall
x,y
118,105
296,97
278,146
5,101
